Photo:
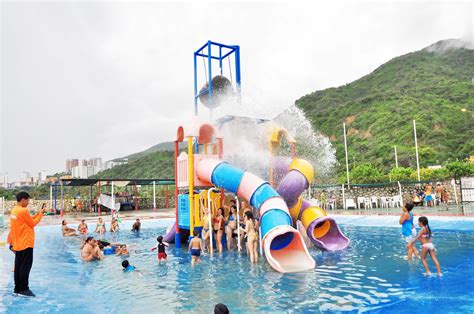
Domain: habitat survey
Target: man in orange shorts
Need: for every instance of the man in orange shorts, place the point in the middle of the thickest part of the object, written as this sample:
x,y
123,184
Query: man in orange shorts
x,y
23,240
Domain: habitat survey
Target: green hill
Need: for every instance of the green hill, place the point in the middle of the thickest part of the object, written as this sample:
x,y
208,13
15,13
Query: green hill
x,y
156,165
434,86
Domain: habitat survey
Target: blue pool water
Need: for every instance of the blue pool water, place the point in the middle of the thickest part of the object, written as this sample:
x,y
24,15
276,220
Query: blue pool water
x,y
369,276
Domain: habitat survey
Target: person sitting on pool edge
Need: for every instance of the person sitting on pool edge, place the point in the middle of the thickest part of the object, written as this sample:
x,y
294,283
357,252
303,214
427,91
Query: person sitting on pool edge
x,y
195,247
67,232
136,225
91,251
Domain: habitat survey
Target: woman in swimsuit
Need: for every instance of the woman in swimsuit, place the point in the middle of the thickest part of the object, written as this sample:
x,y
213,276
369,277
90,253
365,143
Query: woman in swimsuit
x,y
219,228
427,246
100,226
205,228
231,226
252,236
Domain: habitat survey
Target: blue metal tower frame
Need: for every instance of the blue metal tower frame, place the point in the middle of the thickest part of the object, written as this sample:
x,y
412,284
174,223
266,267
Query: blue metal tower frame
x,y
206,52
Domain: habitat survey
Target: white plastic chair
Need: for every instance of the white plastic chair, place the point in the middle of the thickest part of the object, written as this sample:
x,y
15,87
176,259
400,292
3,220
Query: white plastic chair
x,y
374,200
360,201
331,204
350,203
384,202
367,203
397,201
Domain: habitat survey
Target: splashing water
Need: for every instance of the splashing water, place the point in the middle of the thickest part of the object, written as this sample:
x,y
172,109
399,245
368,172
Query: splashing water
x,y
311,145
246,144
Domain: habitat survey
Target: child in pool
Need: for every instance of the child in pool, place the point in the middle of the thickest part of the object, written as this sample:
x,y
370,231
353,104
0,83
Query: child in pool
x,y
427,246
195,247
127,267
408,229
161,246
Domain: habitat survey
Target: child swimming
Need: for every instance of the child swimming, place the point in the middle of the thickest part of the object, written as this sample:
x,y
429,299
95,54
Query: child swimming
x,y
408,229
161,246
427,246
195,247
127,267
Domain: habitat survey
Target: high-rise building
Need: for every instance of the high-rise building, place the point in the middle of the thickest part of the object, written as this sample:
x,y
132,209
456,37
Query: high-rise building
x,y
25,176
42,176
4,180
71,163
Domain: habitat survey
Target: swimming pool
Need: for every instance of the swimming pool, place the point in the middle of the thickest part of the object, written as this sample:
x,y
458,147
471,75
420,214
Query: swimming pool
x,y
369,276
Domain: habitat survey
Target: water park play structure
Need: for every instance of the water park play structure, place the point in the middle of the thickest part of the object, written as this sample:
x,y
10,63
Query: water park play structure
x,y
202,177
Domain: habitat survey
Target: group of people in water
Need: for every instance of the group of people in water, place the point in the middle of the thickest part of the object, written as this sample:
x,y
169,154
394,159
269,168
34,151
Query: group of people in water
x,y
230,224
424,236
101,228
229,221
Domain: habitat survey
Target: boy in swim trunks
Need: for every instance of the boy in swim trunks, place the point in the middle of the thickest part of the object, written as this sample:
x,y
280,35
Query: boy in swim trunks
x,y
195,247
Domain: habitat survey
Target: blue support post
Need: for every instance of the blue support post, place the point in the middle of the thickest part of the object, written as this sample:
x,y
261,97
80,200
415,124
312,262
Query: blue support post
x,y
237,71
195,86
220,58
209,65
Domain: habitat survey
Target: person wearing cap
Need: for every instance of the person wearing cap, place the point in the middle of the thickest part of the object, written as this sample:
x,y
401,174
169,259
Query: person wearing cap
x,y
23,240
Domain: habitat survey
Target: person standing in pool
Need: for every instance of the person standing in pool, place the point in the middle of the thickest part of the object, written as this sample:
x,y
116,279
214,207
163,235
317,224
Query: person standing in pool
x,y
23,241
252,236
195,247
205,229
161,246
231,227
408,229
219,222
136,225
424,236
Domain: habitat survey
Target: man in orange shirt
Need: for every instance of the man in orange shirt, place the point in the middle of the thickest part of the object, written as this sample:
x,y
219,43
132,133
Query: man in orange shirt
x,y
23,240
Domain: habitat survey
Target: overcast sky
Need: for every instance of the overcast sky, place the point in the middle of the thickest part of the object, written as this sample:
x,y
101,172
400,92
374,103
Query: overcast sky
x,y
105,79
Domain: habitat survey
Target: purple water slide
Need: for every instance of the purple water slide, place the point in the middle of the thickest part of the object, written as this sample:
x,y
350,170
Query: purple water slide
x,y
169,237
280,166
333,240
290,188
